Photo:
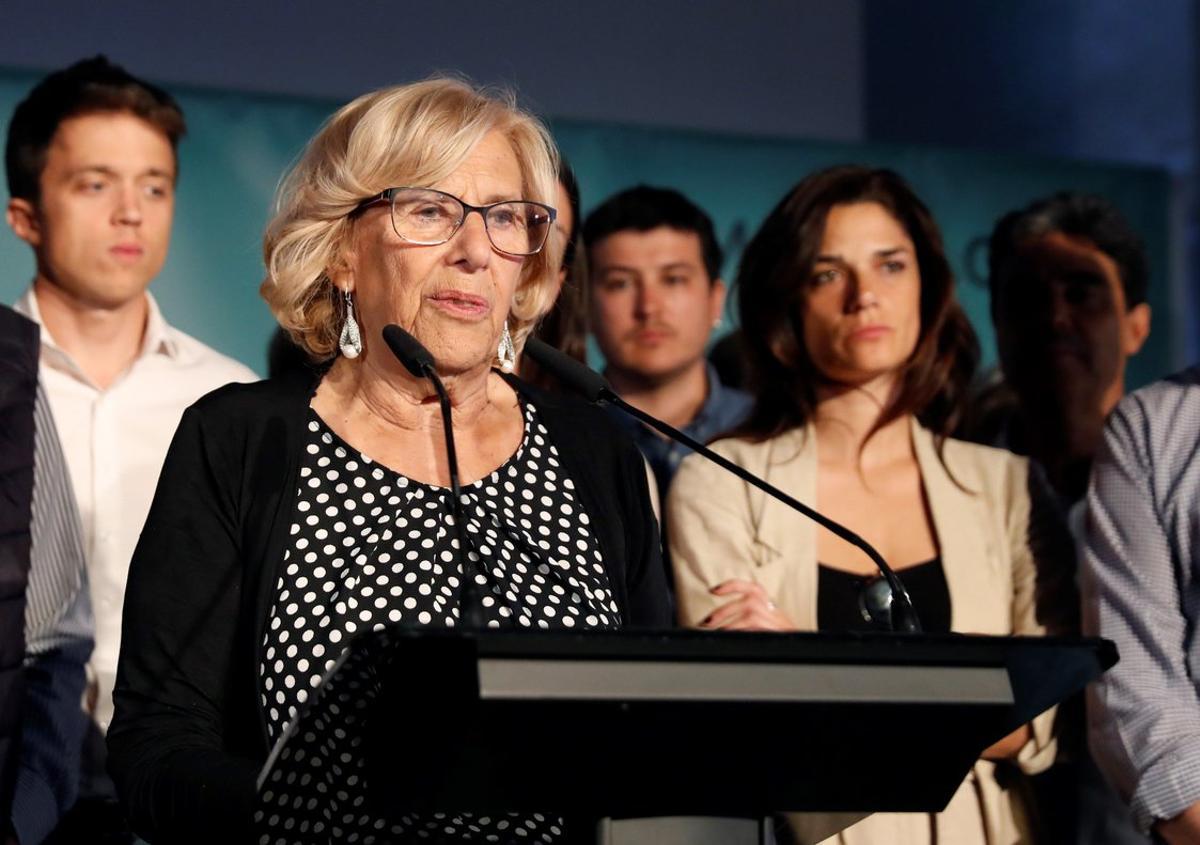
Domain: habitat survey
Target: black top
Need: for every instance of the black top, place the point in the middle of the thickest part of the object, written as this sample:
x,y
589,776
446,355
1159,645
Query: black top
x,y
370,547
189,734
839,597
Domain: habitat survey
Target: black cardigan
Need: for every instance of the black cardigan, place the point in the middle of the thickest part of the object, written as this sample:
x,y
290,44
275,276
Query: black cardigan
x,y
189,735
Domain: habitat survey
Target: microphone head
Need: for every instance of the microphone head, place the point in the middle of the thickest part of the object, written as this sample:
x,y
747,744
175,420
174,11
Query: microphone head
x,y
408,350
578,377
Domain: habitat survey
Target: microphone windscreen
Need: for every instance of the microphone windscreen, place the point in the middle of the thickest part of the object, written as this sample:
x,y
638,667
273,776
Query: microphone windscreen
x,y
408,350
571,373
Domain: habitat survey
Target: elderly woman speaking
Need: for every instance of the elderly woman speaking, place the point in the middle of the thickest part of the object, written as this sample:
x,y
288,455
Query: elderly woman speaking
x,y
292,515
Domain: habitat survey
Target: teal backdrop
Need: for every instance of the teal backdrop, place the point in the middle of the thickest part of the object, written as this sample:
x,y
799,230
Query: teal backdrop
x,y
238,145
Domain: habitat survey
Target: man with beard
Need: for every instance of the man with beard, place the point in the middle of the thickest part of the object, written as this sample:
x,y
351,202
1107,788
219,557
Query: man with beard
x,y
655,297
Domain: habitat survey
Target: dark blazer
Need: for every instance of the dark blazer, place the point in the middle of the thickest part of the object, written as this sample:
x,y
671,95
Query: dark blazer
x,y
189,735
18,391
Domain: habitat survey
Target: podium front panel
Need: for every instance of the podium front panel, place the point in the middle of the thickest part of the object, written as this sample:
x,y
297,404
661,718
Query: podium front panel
x,y
685,723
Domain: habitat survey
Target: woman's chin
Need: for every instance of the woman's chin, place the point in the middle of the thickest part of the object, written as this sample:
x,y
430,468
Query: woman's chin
x,y
861,369
457,362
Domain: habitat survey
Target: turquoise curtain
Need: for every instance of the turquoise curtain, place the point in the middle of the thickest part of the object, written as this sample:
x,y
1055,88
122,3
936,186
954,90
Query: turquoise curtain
x,y
239,145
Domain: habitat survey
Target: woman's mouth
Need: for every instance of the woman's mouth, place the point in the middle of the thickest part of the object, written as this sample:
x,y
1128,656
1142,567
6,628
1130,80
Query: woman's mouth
x,y
870,332
461,304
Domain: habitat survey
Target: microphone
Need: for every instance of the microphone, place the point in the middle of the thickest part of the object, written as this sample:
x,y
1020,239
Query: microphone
x,y
416,359
593,387
409,351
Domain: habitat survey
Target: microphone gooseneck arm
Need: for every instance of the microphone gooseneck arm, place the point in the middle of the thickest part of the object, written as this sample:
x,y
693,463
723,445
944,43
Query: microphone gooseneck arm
x,y
596,389
468,602
417,360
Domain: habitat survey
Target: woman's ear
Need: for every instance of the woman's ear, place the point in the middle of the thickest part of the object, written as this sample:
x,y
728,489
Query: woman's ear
x,y
340,271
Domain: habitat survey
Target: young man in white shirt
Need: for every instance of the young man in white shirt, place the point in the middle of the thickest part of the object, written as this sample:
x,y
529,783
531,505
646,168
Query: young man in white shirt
x,y
91,166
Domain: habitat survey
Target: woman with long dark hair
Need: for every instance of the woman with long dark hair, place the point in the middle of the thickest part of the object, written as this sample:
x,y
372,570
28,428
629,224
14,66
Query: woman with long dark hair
x,y
860,358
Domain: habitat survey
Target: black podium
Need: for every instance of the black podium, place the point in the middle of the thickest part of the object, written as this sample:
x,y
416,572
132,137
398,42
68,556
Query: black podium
x,y
687,723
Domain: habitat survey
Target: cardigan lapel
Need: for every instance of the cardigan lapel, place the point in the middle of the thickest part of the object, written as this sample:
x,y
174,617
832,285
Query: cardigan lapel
x,y
786,552
962,531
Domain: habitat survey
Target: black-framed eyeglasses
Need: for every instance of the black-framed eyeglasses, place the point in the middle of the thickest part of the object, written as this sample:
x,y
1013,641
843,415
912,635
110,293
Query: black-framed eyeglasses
x,y
427,217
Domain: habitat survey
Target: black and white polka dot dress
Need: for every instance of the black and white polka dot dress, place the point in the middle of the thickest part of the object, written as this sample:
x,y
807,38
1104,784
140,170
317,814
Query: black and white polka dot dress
x,y
370,548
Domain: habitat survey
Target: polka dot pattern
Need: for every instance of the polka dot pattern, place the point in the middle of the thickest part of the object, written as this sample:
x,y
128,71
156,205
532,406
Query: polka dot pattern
x,y
371,548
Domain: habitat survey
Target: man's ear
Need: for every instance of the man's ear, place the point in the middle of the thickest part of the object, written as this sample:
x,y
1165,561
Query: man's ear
x,y
716,302
1135,328
23,220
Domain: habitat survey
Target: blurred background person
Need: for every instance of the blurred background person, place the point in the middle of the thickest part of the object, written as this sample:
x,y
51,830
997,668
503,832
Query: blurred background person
x,y
18,389
293,514
1067,277
860,358
565,326
656,294
285,356
91,167
44,610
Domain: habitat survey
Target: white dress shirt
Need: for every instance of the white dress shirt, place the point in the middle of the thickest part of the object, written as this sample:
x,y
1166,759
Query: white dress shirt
x,y
115,441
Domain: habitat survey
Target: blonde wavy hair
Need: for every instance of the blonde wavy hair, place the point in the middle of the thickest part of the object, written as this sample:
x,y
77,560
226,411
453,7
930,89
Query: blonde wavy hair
x,y
407,135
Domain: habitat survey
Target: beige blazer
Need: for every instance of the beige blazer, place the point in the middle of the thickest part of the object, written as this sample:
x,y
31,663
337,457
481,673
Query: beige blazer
x,y
722,528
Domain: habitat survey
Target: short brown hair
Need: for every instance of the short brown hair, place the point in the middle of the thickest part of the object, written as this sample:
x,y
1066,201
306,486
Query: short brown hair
x,y
772,288
90,86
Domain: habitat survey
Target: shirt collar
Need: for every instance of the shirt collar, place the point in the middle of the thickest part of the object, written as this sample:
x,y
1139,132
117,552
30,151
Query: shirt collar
x,y
713,399
159,338
723,407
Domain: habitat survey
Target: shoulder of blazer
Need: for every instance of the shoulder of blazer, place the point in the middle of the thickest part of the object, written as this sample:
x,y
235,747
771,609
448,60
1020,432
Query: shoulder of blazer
x,y
988,469
759,456
977,498
786,461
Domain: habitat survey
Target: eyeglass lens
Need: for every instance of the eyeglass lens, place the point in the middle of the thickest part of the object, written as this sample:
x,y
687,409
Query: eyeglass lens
x,y
431,217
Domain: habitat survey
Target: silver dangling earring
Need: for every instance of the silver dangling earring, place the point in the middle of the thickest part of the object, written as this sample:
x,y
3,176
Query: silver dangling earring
x,y
506,352
350,341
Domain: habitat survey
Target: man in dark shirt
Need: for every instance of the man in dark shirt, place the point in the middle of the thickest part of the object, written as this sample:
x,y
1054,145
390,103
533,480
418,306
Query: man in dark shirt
x,y
1068,279
44,611
655,297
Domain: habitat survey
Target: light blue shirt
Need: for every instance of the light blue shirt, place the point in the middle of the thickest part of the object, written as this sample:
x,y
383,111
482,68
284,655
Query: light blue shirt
x,y
1141,588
